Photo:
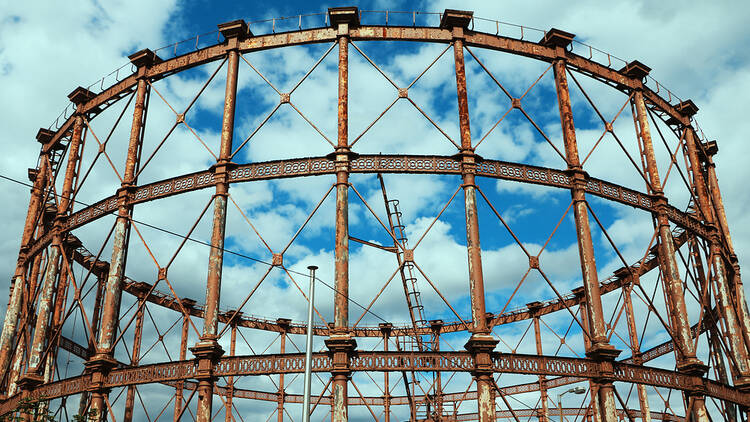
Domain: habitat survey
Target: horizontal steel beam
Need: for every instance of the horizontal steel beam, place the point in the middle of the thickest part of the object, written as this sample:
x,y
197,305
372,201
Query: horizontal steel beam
x,y
368,164
396,362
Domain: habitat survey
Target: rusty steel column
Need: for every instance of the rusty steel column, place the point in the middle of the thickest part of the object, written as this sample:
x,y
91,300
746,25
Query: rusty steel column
x,y
100,273
102,361
534,309
635,347
385,329
208,350
24,334
33,375
183,354
687,361
737,337
135,358
711,320
340,343
595,412
284,323
670,272
713,183
230,380
599,348
58,310
481,342
436,326
10,324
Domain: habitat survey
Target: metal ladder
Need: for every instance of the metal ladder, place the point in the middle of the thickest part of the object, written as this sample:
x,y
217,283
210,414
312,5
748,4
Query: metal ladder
x,y
411,293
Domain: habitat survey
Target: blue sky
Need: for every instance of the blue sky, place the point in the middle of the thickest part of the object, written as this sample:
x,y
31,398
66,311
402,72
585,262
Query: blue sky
x,y
50,50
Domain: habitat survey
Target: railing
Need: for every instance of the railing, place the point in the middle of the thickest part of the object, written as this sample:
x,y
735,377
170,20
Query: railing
x,y
367,17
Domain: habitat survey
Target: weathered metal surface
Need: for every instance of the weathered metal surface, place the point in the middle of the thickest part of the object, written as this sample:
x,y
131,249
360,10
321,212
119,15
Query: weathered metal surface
x,y
373,164
343,359
596,345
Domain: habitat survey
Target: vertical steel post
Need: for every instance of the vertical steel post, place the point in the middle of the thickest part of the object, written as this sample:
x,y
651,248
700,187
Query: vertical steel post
x,y
24,334
183,354
437,326
743,313
340,342
134,359
481,342
51,274
101,277
737,337
102,362
207,350
386,328
595,412
599,348
308,346
230,379
534,308
10,324
282,391
636,349
712,322
687,361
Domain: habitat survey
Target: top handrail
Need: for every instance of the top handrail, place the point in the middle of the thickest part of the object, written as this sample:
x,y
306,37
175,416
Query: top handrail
x,y
306,21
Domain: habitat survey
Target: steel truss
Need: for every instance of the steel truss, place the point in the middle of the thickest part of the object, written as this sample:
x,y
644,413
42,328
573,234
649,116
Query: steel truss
x,y
45,291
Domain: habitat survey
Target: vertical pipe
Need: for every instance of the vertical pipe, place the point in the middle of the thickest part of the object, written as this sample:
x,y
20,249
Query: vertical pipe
x,y
386,380
544,417
103,359
711,321
438,375
481,342
340,342
95,315
669,268
208,349
10,324
686,358
308,346
593,386
83,402
57,314
134,359
636,350
280,407
737,336
183,355
742,310
113,291
24,335
599,348
341,314
56,249
230,380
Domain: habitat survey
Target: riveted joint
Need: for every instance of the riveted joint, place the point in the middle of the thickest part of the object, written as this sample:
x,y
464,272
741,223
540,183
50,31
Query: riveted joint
x,y
692,366
278,260
601,351
341,347
605,372
206,351
124,195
